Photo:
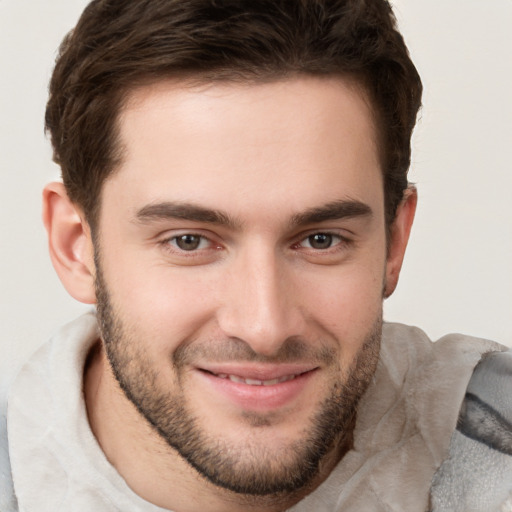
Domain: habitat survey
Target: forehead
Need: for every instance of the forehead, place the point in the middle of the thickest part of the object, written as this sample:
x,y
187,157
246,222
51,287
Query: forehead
x,y
309,140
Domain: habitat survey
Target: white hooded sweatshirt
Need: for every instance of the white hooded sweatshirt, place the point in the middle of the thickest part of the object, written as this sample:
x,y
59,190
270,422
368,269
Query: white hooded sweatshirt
x,y
51,461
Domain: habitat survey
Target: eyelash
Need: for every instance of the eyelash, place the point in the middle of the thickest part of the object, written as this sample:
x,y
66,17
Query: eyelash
x,y
171,244
338,243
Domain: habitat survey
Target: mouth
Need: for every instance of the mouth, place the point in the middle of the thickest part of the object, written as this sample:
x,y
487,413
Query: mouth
x,y
256,382
258,388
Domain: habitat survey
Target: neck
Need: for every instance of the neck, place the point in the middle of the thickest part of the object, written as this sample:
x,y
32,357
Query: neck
x,y
153,469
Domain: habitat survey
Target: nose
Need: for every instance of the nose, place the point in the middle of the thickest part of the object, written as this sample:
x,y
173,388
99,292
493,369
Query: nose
x,y
260,302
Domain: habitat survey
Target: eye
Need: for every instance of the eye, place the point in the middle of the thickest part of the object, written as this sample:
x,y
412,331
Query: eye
x,y
321,241
189,242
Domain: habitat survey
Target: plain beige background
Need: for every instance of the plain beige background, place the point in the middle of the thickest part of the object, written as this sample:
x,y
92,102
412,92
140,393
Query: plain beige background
x,y
458,270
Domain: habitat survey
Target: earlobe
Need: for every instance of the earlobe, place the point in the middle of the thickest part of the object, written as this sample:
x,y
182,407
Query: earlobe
x,y
70,243
399,236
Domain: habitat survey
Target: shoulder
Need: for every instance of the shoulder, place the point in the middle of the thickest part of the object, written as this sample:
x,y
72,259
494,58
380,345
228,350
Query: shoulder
x,y
458,347
7,498
486,413
46,384
478,471
440,369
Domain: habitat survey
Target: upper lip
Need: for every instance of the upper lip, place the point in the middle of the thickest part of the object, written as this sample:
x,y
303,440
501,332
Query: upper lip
x,y
261,372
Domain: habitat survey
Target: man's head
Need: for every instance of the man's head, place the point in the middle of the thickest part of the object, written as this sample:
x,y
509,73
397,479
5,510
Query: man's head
x,y
118,45
243,170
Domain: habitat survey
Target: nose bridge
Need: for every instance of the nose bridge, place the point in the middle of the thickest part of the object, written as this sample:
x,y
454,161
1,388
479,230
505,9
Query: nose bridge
x,y
260,307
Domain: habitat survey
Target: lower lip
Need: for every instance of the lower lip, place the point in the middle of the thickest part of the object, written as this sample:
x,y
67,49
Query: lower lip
x,y
259,398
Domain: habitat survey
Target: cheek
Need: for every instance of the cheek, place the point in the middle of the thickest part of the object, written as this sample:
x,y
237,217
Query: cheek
x,y
346,302
158,304
347,295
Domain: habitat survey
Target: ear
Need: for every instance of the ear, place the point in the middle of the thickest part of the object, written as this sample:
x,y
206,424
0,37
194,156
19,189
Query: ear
x,y
70,243
399,236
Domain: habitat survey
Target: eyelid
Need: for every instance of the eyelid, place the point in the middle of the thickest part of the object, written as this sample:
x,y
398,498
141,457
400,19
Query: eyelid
x,y
166,239
343,235
174,241
340,240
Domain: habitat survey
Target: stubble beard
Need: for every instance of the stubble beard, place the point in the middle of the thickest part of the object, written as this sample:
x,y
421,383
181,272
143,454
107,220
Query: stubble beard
x,y
251,469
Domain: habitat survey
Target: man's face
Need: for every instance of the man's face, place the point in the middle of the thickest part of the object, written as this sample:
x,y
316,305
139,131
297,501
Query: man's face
x,y
241,264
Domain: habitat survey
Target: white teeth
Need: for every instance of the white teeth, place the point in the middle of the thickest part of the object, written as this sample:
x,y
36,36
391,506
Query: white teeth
x,y
255,382
234,378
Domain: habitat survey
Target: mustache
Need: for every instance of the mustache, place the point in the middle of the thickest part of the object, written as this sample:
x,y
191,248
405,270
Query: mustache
x,y
292,350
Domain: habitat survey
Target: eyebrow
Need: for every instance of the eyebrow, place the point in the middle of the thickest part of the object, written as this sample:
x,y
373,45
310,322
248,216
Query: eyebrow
x,y
185,211
334,210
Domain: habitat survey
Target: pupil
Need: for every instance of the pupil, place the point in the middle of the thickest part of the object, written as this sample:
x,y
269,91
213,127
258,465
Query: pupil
x,y
320,241
188,242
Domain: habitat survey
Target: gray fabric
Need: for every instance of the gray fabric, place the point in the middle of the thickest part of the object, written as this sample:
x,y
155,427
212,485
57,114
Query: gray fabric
x,y
477,476
403,431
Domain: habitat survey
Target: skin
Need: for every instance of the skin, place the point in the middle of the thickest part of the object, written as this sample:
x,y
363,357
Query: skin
x,y
280,165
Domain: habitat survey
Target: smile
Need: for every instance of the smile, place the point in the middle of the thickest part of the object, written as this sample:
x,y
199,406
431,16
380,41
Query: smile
x,y
254,388
255,382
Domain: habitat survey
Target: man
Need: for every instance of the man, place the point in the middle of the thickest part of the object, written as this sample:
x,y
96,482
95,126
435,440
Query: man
x,y
235,202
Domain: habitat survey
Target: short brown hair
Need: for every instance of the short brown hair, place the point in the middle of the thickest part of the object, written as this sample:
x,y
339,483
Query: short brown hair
x,y
118,44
